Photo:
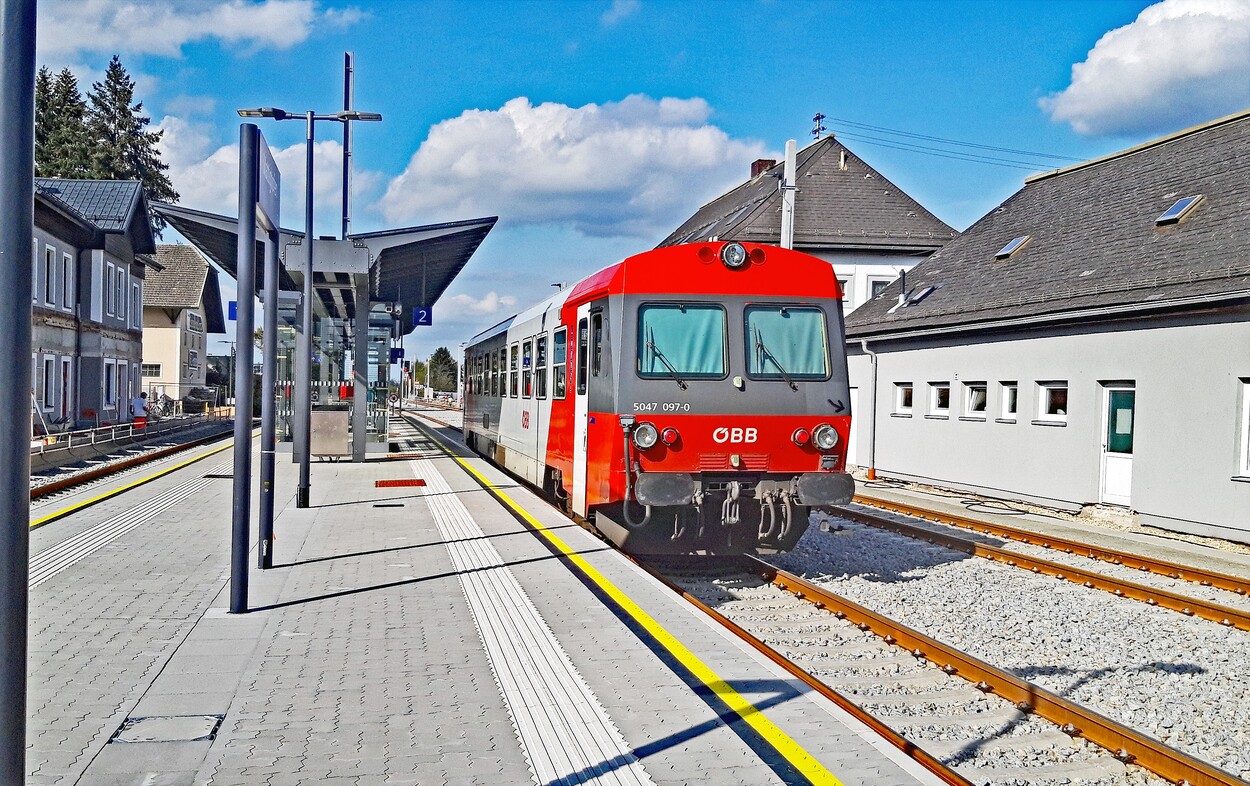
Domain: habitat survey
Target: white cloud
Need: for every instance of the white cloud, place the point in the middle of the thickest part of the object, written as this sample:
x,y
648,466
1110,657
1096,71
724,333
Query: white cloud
x,y
1179,63
159,27
207,177
620,10
458,308
637,167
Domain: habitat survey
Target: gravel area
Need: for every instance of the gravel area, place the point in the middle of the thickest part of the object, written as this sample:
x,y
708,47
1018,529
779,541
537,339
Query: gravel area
x,y
1179,679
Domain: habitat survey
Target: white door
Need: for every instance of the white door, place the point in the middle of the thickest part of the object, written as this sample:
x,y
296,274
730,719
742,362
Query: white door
x,y
581,410
852,438
1117,445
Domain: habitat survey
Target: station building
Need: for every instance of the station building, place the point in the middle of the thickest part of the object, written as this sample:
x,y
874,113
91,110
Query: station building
x,y
181,307
845,212
1085,343
92,239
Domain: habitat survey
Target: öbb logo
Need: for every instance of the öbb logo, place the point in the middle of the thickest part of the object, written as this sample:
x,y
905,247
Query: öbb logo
x,y
734,435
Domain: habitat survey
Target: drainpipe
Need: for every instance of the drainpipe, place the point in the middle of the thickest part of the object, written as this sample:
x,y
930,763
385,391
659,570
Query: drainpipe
x,y
787,196
872,419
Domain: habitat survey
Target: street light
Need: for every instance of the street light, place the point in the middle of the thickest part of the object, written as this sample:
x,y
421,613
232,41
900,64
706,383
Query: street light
x,y
303,366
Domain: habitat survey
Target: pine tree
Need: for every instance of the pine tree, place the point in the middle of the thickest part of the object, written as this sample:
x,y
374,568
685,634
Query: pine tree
x,y
123,148
45,119
442,370
62,147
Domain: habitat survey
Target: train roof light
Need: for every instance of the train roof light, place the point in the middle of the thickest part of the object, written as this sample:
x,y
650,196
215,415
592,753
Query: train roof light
x,y
734,255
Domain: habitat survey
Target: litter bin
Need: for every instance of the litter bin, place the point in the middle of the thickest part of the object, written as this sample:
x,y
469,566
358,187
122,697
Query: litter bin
x,y
329,435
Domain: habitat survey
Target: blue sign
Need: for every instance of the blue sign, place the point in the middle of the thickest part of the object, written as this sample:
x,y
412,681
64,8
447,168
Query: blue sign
x,y
422,316
268,182
233,307
397,354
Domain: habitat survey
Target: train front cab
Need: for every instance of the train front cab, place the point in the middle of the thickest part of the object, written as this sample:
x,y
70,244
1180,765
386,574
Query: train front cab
x,y
712,422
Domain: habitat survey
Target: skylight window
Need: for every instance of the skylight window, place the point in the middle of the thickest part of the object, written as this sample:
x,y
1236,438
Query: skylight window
x,y
1012,247
918,295
1178,211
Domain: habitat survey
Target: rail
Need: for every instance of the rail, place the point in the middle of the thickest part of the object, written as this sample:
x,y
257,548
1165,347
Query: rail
x,y
103,435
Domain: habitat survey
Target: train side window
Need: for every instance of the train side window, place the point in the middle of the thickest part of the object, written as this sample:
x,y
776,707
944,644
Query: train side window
x,y
583,344
559,361
596,343
527,369
493,361
540,367
512,371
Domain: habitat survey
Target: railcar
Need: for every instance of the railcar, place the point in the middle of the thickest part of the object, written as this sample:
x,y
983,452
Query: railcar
x,y
690,399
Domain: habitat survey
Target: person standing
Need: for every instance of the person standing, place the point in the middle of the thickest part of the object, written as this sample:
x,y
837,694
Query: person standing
x,y
139,408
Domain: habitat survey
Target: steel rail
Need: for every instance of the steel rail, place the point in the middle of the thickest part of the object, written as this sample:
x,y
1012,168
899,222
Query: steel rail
x,y
1126,744
1223,581
1185,604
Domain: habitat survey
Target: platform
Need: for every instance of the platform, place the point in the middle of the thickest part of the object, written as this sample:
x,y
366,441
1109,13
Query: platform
x,y
419,634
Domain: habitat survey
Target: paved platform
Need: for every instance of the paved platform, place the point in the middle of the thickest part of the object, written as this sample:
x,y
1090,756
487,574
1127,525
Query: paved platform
x,y
414,635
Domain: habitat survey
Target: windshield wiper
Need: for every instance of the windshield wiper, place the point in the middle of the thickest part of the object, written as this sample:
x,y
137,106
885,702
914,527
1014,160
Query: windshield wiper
x,y
759,345
660,356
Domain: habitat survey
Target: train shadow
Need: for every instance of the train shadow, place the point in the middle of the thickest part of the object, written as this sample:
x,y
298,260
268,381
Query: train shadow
x,y
377,500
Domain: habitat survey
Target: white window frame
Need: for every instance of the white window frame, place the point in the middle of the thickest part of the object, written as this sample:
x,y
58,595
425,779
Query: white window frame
x,y
146,367
1044,390
934,410
67,281
1244,469
108,288
109,383
899,407
969,412
119,296
34,271
136,304
49,275
1003,413
67,381
48,388
887,280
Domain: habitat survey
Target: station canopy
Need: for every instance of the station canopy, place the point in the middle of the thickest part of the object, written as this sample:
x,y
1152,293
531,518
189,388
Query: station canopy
x,y
411,266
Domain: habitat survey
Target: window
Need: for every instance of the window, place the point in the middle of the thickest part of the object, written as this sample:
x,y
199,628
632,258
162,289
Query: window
x,y
513,368
492,360
843,285
122,386
559,360
67,281
151,369
1244,468
540,367
902,398
195,322
34,271
681,340
786,342
596,343
1178,211
1008,397
119,295
877,286
527,369
975,399
49,382
940,399
67,365
110,383
108,288
136,304
583,343
1011,247
193,360
1052,402
49,275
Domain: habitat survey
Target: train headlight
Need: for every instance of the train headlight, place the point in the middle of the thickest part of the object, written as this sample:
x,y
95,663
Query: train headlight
x,y
669,435
801,436
645,436
734,255
824,436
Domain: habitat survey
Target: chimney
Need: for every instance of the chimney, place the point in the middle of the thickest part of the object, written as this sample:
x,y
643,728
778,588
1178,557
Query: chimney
x,y
761,166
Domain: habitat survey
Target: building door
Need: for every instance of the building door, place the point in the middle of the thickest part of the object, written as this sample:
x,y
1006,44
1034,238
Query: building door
x,y
1117,445
852,438
581,408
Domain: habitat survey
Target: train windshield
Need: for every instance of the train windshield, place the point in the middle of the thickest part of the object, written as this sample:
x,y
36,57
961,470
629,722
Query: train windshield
x,y
786,342
681,340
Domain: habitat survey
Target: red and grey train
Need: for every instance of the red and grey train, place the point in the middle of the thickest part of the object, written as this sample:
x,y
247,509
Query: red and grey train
x,y
690,399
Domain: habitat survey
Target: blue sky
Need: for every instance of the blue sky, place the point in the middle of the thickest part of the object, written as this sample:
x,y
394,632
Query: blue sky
x,y
594,128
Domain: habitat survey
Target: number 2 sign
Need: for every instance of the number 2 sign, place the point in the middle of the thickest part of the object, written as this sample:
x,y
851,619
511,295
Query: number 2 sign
x,y
422,316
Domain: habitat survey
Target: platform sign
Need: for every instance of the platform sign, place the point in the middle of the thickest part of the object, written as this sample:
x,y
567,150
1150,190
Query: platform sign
x,y
422,316
397,354
268,184
233,308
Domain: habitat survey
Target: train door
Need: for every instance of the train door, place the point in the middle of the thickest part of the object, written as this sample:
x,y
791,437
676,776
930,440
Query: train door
x,y
581,408
1117,444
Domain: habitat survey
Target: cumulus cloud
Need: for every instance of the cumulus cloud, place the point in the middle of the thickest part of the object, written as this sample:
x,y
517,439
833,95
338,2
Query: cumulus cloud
x,y
636,167
159,27
1179,63
457,307
620,10
207,176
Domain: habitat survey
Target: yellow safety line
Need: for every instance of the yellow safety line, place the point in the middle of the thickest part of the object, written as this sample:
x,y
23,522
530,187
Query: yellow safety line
x,y
114,492
799,758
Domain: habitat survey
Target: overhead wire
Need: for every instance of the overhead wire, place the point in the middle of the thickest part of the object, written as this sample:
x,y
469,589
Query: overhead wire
x,y
992,148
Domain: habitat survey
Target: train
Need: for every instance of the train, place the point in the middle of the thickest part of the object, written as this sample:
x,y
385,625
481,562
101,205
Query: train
x,y
691,399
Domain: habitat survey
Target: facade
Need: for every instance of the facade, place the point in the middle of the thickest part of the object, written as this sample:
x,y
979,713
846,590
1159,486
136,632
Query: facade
x,y
181,307
846,213
88,264
1086,343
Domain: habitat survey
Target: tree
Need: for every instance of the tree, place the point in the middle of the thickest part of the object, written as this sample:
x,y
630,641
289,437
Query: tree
x,y
62,143
442,370
122,147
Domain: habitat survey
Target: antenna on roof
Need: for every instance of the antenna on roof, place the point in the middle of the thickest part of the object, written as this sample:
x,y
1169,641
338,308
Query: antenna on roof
x,y
818,126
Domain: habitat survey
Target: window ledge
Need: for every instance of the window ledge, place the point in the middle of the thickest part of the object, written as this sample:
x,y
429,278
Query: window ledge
x,y
937,417
973,418
1049,422
1240,478
900,414
1004,420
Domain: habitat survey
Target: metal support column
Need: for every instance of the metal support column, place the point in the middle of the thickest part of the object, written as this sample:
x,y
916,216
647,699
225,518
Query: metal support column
x,y
246,281
268,402
303,351
360,370
17,218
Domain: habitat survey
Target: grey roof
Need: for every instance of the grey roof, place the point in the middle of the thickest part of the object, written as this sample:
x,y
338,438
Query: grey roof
x,y
1093,243
112,206
184,279
836,206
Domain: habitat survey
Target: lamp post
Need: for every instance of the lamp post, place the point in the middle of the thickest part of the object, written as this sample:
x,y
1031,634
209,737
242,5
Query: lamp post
x,y
302,414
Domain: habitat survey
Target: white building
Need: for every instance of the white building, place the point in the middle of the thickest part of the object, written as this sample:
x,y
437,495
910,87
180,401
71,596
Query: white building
x,y
181,307
1086,342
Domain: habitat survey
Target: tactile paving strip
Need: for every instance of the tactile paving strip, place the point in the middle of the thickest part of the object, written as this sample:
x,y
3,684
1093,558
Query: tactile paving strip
x,y
564,731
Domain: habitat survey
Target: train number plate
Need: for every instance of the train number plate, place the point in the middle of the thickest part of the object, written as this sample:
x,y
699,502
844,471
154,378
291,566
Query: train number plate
x,y
661,406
